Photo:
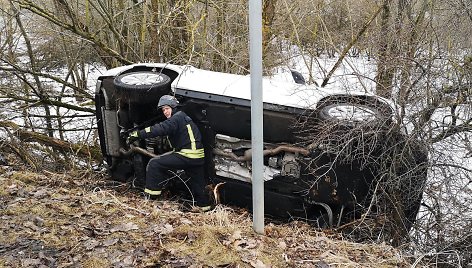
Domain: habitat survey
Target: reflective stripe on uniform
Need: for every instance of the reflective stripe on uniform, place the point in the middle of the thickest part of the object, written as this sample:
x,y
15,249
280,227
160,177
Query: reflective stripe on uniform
x,y
194,152
199,153
192,138
152,192
148,129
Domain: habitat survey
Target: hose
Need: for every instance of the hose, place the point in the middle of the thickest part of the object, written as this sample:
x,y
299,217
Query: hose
x,y
135,149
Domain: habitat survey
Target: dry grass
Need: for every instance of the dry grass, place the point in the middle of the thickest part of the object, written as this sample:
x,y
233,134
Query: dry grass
x,y
58,220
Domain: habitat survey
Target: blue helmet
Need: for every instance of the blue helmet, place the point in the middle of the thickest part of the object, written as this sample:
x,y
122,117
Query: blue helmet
x,y
167,100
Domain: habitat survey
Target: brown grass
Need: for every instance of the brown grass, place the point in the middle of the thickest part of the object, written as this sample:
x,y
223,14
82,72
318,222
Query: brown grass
x,y
57,220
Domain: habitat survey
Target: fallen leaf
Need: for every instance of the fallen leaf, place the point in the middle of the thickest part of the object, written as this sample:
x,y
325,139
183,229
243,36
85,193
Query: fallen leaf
x,y
282,245
31,225
41,193
245,244
185,221
258,264
322,264
125,227
12,187
49,260
164,229
38,221
77,182
191,237
30,262
129,260
91,244
236,235
110,242
233,238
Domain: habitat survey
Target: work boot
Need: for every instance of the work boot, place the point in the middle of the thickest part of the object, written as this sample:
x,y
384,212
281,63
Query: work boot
x,y
197,208
155,197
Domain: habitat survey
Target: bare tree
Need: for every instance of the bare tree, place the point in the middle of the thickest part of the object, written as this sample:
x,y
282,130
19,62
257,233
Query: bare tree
x,y
425,67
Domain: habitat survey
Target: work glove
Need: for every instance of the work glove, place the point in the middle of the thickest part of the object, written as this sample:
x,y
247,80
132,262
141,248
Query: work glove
x,y
132,137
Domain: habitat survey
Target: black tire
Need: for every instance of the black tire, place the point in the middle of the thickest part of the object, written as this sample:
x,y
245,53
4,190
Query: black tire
x,y
142,86
352,111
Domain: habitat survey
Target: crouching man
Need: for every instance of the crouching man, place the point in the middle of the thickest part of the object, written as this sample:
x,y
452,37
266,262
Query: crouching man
x,y
188,153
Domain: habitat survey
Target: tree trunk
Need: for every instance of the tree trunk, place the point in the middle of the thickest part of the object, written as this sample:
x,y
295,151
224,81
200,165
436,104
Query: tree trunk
x,y
385,69
39,91
218,62
268,14
179,36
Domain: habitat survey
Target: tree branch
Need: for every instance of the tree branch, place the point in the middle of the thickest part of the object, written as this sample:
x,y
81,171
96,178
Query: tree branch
x,y
88,151
349,46
45,75
452,130
29,5
49,101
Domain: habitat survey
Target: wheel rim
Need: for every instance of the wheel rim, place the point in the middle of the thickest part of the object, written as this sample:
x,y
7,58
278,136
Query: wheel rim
x,y
142,79
349,112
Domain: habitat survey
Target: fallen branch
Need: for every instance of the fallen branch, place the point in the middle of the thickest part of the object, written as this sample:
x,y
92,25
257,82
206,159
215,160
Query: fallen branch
x,y
91,152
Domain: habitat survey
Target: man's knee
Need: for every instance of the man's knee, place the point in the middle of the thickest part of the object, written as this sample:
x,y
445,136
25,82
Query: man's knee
x,y
154,163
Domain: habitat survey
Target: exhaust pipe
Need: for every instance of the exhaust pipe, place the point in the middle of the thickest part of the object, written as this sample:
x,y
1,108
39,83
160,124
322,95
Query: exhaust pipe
x,y
246,157
248,153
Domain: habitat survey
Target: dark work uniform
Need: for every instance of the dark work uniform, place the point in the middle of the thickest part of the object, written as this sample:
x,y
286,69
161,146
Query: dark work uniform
x,y
188,155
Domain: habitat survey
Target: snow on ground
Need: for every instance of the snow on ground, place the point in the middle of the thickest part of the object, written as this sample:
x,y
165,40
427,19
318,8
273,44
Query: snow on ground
x,y
353,74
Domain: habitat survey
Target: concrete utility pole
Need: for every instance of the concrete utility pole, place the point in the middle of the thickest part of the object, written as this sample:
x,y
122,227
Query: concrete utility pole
x,y
255,61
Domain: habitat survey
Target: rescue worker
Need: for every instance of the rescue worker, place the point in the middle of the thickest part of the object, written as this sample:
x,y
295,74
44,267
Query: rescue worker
x,y
188,153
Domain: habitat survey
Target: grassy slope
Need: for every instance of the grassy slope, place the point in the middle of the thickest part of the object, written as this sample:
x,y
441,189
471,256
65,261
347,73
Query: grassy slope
x,y
83,220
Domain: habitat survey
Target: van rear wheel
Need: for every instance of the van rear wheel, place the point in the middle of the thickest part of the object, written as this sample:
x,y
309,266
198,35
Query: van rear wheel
x,y
351,111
